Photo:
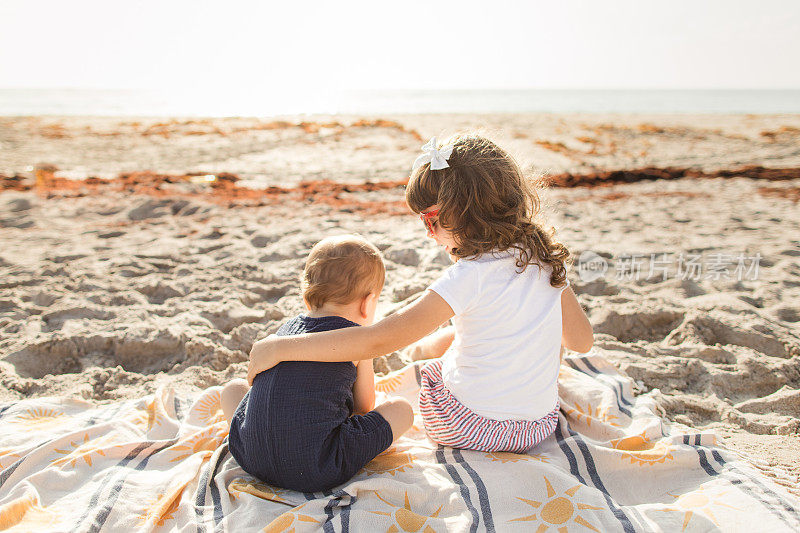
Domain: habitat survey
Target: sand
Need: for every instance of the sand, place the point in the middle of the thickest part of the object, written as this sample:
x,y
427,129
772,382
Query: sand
x,y
109,290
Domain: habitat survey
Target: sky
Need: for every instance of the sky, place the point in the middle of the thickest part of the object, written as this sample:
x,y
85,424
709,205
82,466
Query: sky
x,y
437,44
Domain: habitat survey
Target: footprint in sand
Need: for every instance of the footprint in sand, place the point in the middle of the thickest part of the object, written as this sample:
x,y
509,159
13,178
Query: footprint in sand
x,y
712,328
14,212
270,292
153,208
56,317
261,240
159,291
598,287
402,255
227,316
632,322
111,234
787,313
784,401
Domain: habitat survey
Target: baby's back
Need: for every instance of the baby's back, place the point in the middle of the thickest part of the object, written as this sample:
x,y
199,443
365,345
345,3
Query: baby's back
x,y
291,427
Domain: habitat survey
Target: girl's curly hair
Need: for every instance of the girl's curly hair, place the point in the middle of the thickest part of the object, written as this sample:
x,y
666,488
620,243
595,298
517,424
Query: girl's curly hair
x,y
487,204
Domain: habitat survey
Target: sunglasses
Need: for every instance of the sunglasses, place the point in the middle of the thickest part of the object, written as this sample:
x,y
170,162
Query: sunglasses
x,y
427,219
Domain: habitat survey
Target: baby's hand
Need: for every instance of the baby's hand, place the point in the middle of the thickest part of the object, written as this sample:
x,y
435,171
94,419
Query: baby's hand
x,y
262,357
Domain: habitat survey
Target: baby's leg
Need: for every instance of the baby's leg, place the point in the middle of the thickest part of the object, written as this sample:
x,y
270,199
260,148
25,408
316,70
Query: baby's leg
x,y
232,394
434,345
398,412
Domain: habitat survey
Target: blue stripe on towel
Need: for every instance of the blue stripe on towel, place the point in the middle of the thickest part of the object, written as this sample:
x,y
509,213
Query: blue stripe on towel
x,y
711,471
616,388
483,495
176,404
591,367
220,452
704,464
6,473
327,527
200,499
335,502
346,514
105,511
464,489
573,462
619,514
772,506
96,496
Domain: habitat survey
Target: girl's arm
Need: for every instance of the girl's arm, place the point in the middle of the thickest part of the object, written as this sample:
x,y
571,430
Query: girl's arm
x,y
434,345
364,387
576,331
396,331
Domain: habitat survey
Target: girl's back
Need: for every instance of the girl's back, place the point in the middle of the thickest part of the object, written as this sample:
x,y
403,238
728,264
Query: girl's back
x,y
504,361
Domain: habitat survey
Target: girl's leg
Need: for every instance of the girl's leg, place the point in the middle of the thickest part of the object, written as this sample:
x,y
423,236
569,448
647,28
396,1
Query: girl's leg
x,y
232,394
434,345
399,414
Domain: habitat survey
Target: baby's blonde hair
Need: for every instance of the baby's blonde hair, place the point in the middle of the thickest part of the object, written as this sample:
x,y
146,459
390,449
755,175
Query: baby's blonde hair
x,y
341,270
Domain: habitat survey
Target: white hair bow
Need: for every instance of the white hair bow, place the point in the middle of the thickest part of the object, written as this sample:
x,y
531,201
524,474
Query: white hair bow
x,y
437,158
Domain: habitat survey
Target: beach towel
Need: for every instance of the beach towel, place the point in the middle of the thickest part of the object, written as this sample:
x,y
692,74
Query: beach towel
x,y
161,463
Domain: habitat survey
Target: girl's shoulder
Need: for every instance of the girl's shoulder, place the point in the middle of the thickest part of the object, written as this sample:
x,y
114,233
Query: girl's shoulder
x,y
505,264
497,264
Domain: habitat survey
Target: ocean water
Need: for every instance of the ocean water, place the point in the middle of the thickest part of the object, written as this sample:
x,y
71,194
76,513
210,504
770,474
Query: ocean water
x,y
210,100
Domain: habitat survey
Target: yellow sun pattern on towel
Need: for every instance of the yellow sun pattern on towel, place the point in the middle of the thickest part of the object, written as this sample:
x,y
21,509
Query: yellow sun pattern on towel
x,y
640,450
81,449
256,488
289,521
591,413
148,417
508,457
389,383
557,510
41,418
28,509
161,509
700,501
391,462
405,518
210,408
205,441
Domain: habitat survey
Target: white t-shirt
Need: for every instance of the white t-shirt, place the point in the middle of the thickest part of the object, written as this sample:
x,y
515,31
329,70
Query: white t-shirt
x,y
504,361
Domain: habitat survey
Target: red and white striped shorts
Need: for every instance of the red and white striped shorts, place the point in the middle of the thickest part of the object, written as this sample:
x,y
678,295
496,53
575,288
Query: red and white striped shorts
x,y
451,423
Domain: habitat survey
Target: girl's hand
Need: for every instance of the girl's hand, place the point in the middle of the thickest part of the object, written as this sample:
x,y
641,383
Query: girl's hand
x,y
263,356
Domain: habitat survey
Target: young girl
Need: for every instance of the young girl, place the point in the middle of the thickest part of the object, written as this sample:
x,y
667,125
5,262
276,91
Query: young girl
x,y
496,387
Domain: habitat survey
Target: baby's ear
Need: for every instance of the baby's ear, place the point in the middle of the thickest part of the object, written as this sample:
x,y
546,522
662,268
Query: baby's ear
x,y
365,301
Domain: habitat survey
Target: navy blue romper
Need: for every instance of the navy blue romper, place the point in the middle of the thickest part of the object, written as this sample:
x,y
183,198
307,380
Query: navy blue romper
x,y
295,427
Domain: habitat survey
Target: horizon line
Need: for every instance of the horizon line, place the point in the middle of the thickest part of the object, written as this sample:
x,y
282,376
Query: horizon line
x,y
405,89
